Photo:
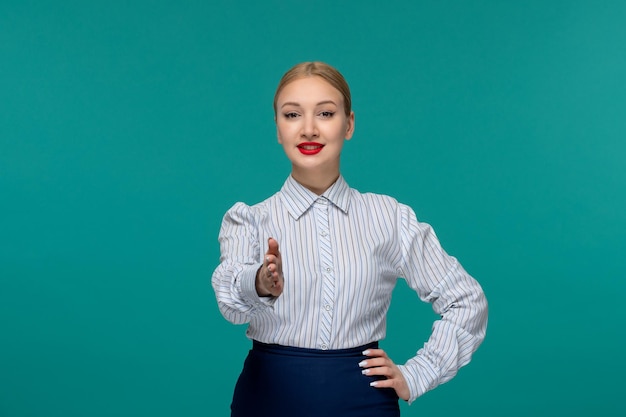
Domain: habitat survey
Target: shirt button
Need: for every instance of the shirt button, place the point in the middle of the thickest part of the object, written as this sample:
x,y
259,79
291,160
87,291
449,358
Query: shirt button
x,y
324,346
327,269
324,233
327,307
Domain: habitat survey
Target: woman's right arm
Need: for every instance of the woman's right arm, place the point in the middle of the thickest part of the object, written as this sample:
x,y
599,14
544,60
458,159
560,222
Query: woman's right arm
x,y
234,279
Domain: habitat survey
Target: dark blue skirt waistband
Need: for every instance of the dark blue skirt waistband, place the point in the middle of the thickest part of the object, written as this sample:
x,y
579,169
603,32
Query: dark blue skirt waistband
x,y
313,353
285,381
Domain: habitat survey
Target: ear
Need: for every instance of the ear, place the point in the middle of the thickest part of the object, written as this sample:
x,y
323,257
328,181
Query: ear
x,y
278,134
350,126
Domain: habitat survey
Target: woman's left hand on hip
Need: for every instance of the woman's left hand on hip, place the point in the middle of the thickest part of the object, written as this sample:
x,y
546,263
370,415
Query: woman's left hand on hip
x,y
378,363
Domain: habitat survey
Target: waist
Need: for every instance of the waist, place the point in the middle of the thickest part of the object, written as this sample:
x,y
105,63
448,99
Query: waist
x,y
311,353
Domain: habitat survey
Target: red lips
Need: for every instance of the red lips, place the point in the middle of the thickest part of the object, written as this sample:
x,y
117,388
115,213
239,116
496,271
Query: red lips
x,y
310,148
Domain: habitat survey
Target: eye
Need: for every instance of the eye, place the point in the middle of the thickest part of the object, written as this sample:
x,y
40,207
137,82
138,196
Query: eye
x,y
326,114
291,115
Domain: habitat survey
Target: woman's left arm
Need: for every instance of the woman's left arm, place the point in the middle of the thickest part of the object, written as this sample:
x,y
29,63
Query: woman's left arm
x,y
457,297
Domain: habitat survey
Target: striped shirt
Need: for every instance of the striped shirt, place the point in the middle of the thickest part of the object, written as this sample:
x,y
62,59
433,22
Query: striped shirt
x,y
342,254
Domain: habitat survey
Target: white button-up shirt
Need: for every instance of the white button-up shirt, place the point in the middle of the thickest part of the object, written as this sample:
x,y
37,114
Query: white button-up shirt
x,y
342,253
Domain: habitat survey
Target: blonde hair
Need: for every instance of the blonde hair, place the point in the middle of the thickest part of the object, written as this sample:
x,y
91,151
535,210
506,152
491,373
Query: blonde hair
x,y
317,69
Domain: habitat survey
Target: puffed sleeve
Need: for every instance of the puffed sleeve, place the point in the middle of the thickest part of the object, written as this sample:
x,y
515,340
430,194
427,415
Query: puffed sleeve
x,y
234,279
457,297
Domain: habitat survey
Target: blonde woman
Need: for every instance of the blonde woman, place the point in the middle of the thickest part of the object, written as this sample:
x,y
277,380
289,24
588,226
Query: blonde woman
x,y
312,268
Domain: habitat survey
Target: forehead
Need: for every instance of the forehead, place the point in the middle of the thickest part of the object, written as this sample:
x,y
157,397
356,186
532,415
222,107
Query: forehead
x,y
309,89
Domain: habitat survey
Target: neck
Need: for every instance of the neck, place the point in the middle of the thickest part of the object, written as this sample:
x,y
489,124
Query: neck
x,y
316,182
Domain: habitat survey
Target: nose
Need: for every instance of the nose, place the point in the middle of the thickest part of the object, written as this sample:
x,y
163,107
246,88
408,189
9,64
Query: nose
x,y
309,127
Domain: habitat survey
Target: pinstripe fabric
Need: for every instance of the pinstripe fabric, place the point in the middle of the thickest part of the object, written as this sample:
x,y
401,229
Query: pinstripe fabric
x,y
342,255
321,208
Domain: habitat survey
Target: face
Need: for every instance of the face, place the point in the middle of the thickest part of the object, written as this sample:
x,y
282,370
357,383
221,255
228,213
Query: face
x,y
311,125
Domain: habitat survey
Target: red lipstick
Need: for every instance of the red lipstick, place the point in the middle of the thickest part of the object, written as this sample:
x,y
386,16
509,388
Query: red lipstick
x,y
310,148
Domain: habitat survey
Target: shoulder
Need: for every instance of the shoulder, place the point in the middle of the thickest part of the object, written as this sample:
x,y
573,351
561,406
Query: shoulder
x,y
384,209
243,212
377,201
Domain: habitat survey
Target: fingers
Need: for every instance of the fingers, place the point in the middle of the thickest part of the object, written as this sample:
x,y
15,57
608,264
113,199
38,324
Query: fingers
x,y
379,364
272,257
270,275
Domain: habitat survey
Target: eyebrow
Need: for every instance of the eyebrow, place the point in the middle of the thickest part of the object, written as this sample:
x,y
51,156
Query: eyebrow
x,y
293,103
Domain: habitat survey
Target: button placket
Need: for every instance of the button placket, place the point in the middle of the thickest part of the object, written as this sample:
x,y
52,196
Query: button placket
x,y
326,264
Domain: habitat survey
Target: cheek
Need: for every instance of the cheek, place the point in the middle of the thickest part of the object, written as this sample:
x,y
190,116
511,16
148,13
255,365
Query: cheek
x,y
284,132
338,131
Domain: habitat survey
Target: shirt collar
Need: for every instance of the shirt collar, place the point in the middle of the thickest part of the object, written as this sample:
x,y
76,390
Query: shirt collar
x,y
299,199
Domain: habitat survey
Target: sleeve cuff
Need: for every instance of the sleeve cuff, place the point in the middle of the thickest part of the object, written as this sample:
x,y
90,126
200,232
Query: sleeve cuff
x,y
420,375
247,286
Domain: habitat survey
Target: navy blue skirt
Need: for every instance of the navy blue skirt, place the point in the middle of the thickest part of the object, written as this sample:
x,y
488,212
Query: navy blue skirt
x,y
281,381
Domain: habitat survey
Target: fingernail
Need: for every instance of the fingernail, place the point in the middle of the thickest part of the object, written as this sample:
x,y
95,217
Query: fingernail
x,y
373,384
365,371
267,258
362,364
366,352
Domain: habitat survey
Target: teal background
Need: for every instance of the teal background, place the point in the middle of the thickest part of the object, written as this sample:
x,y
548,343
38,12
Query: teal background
x,y
127,129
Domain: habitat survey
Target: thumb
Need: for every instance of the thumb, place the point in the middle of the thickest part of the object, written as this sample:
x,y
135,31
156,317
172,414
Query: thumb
x,y
272,247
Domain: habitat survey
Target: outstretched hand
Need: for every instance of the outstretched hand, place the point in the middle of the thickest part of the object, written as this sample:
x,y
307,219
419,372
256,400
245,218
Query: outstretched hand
x,y
269,277
378,363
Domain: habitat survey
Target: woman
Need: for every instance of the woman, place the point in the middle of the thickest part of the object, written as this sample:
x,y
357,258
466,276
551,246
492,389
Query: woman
x,y
312,269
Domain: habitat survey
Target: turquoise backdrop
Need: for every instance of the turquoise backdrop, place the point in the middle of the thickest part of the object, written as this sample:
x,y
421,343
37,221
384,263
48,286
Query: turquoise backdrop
x,y
128,128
